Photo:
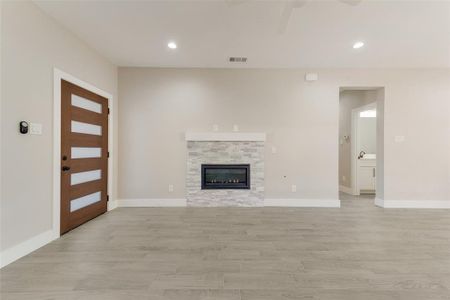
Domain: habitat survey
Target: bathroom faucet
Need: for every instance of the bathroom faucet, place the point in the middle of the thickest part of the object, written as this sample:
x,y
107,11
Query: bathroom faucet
x,y
361,154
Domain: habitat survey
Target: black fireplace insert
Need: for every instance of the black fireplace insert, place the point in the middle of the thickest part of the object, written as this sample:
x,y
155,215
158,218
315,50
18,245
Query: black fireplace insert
x,y
225,176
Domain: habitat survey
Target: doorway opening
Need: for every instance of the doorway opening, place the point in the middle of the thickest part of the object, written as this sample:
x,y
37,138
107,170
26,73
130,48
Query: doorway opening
x,y
361,143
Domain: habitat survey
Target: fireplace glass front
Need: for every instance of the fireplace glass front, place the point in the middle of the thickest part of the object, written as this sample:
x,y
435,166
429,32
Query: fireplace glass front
x,y
225,176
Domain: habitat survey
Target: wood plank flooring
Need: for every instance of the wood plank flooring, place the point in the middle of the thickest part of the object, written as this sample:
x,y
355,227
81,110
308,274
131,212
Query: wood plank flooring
x,y
355,252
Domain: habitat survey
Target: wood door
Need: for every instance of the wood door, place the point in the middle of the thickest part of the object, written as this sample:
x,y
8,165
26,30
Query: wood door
x,y
84,155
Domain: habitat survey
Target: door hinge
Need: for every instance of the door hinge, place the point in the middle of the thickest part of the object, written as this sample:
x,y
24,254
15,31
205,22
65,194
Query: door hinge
x,y
107,198
108,110
108,154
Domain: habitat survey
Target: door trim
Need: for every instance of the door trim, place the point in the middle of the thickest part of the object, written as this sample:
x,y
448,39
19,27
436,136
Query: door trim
x,y
59,75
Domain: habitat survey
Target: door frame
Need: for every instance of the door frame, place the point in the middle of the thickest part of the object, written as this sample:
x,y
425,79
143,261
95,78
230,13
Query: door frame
x,y
354,145
59,75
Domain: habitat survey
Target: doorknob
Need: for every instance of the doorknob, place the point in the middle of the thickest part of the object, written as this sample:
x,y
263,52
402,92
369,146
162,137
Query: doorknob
x,y
65,168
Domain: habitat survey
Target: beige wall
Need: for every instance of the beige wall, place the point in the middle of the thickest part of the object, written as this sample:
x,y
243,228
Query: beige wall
x,y
32,45
161,104
301,120
380,96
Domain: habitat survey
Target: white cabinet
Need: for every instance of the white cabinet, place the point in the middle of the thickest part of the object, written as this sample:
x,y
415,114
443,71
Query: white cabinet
x,y
366,175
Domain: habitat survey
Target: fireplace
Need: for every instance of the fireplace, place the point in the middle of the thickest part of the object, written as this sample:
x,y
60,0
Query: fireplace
x,y
229,176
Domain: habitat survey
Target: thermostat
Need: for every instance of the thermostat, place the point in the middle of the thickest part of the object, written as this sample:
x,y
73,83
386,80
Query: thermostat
x,y
23,127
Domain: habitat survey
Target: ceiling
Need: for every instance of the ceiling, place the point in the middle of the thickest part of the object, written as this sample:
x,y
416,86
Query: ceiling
x,y
319,34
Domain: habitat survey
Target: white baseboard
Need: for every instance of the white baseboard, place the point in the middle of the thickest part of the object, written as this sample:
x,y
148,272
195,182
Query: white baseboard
x,y
433,204
379,202
267,202
151,202
112,205
303,202
346,189
14,253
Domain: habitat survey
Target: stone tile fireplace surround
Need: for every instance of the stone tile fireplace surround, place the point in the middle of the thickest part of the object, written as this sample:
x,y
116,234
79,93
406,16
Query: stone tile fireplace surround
x,y
225,148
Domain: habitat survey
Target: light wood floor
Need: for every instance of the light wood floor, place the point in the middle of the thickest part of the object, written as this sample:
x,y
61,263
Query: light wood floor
x,y
355,252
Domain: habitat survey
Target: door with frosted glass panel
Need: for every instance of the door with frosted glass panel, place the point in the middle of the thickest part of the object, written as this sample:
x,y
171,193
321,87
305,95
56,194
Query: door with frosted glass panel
x,y
84,155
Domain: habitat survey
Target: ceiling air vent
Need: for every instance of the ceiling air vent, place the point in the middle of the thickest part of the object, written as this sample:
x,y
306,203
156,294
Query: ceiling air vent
x,y
238,59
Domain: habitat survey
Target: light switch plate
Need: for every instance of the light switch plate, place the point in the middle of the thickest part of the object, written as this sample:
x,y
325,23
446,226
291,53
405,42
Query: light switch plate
x,y
35,128
311,77
399,138
274,149
215,127
293,188
171,188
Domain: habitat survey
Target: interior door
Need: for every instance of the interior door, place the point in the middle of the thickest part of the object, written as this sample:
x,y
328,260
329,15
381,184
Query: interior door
x,y
84,155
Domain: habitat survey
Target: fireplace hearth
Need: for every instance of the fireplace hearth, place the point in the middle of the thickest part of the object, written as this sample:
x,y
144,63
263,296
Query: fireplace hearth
x,y
225,176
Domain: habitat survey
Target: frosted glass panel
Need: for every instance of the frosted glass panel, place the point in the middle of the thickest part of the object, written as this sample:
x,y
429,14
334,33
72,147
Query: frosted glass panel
x,y
81,177
86,104
87,128
86,152
84,201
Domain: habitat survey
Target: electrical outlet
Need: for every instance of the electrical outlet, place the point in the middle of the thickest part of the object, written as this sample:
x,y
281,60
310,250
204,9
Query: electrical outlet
x,y
235,128
170,188
274,149
293,188
215,127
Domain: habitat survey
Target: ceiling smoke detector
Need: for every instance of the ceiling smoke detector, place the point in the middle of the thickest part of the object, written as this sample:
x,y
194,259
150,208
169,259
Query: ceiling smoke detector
x,y
238,59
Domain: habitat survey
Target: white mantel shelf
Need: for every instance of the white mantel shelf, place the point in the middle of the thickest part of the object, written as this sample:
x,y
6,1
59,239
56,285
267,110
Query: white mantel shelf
x,y
226,136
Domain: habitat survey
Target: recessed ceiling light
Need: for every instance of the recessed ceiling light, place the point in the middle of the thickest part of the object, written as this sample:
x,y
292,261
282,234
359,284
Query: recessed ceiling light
x,y
172,45
358,45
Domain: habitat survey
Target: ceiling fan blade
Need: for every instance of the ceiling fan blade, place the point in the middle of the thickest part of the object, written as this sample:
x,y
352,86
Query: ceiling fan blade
x,y
351,2
287,12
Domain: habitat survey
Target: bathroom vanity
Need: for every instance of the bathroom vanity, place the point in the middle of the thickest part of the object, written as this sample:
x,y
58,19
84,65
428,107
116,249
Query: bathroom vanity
x,y
367,174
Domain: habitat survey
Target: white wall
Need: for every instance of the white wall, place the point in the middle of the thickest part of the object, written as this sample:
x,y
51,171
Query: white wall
x,y
301,119
32,45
